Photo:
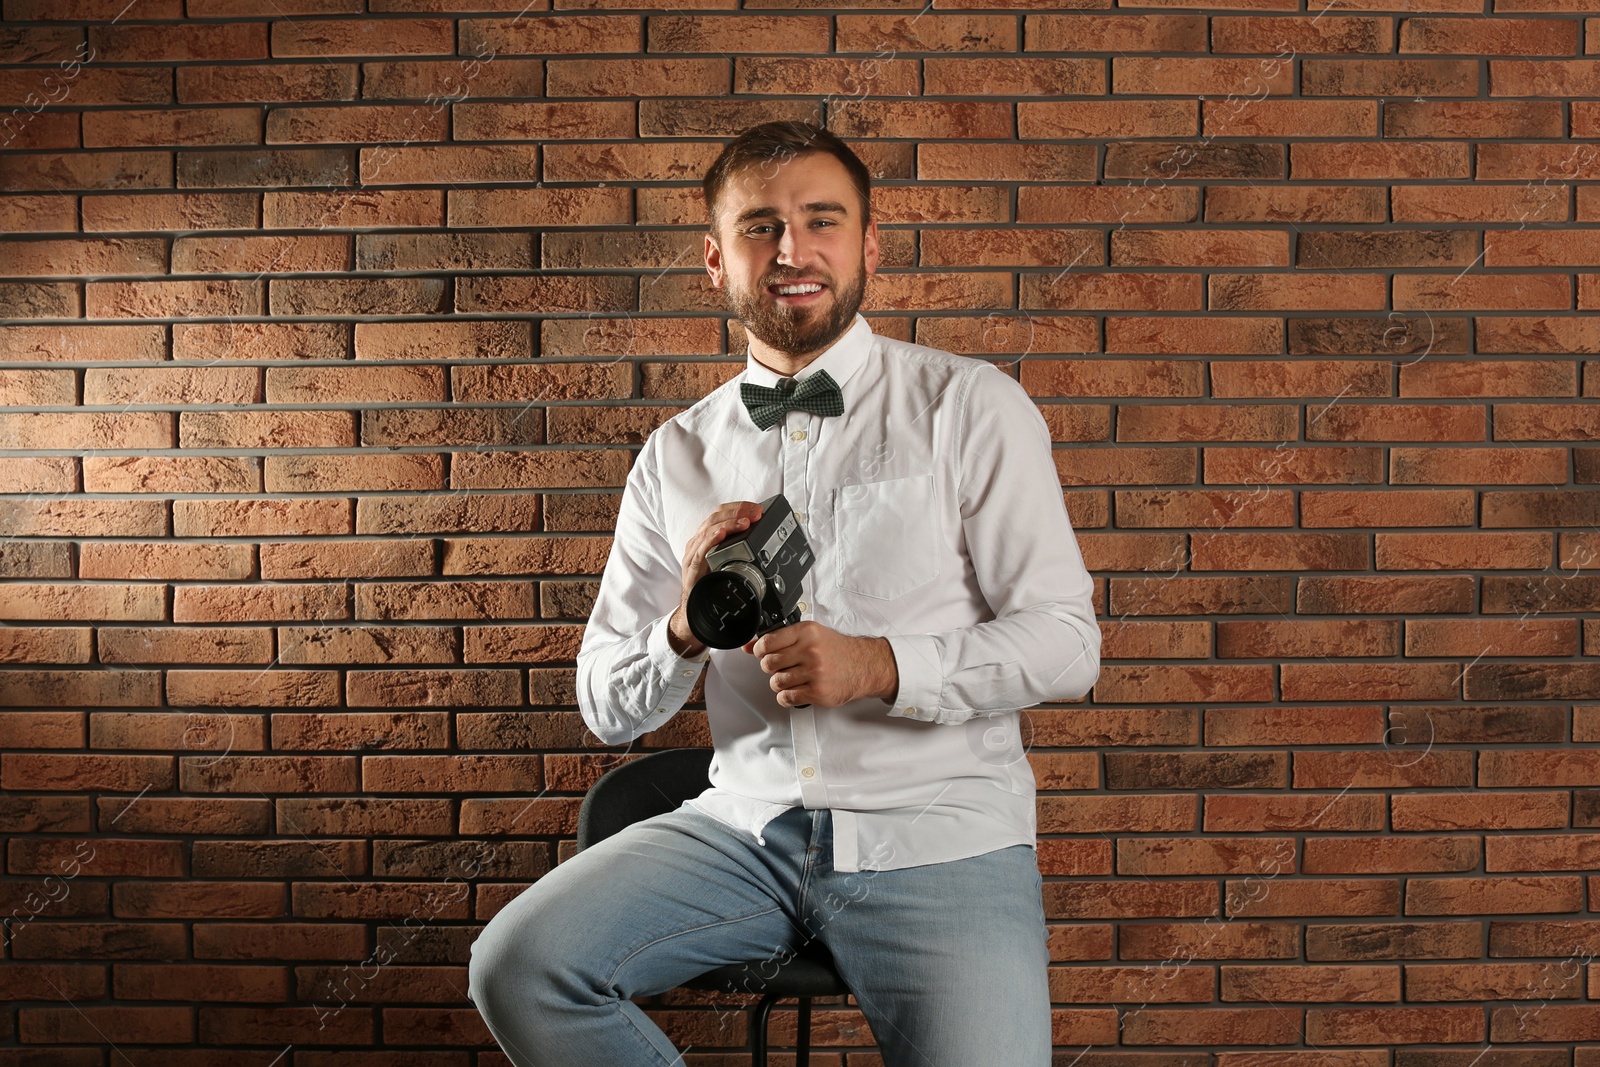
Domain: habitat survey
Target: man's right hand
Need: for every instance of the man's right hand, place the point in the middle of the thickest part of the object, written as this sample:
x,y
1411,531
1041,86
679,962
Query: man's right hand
x,y
728,519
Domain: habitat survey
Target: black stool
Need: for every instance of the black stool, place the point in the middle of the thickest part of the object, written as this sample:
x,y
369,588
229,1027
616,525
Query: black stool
x,y
659,783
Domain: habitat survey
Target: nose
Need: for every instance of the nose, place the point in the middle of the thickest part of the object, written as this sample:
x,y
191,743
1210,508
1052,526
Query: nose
x,y
794,246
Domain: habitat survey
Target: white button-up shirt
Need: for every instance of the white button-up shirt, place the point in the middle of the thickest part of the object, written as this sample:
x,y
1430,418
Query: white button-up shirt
x,y
935,513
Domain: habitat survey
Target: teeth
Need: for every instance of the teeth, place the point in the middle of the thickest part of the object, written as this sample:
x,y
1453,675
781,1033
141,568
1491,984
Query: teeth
x,y
791,290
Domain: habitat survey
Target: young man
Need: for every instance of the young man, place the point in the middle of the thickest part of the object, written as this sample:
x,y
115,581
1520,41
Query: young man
x,y
869,786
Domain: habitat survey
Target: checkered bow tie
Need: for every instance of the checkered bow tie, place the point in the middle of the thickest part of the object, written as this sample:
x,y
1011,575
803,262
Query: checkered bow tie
x,y
818,393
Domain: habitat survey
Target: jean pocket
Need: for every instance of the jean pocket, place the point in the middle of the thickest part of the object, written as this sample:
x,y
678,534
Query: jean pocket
x,y
887,542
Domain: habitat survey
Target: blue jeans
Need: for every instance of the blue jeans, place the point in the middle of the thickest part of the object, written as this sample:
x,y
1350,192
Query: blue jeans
x,y
947,960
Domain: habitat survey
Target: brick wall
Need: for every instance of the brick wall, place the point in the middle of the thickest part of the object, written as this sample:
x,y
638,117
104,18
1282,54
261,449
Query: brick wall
x,y
329,337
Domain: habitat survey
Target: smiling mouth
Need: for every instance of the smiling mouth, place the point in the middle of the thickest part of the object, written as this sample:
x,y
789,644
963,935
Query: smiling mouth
x,y
807,291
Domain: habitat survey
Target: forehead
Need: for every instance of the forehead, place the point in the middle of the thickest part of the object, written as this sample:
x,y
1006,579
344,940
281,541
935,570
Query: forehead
x,y
801,183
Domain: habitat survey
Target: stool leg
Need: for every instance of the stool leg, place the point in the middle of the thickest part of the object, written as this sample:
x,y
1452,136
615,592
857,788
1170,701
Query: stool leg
x,y
802,1046
763,1012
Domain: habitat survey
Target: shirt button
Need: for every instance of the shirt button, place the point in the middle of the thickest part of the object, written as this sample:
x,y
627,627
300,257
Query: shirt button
x,y
687,674
798,435
799,516
661,709
910,709
808,772
802,606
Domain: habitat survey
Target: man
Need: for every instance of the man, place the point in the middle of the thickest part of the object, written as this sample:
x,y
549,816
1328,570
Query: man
x,y
869,785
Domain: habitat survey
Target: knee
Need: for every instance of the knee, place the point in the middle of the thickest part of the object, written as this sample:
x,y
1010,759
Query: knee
x,y
526,956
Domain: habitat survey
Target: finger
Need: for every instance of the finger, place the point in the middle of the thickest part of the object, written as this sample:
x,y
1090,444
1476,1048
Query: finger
x,y
773,663
788,679
776,640
728,526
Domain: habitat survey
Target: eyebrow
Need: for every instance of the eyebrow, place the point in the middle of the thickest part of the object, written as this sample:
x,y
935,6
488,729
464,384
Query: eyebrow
x,y
813,207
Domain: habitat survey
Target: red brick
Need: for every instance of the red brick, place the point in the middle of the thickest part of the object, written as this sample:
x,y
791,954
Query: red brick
x,y
1479,811
41,474
1493,981
1090,985
1184,508
1389,855
1391,941
354,210
266,83
1214,939
1423,724
361,644
1398,422
1207,770
1463,551
1148,856
178,126
1280,551
166,644
1477,466
363,37
1372,681
470,688
52,172
1541,851
170,211
258,603
455,600
1260,897
382,122
1431,595
1295,725
30,600
1395,1026
1394,768
1112,814
1544,938
1393,507
260,341
131,430
149,560
46,644
353,559
275,688
1159,682
247,518
1211,1026
1521,767
1319,812
1319,463
174,299
1341,637
1310,983
1492,896
433,774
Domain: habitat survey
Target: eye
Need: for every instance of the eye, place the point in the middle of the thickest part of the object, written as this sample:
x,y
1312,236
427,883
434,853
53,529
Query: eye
x,y
761,229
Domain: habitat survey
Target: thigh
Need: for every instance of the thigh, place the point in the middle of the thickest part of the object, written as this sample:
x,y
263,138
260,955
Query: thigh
x,y
949,961
639,913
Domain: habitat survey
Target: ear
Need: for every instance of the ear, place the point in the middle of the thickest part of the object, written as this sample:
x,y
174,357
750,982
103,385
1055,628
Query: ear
x,y
869,248
714,262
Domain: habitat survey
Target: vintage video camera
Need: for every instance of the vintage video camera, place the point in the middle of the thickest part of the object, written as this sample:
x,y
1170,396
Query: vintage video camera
x,y
755,579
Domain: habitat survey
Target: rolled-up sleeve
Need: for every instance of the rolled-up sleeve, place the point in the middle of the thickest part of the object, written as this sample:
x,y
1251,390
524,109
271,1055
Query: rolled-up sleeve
x,y
630,679
1043,643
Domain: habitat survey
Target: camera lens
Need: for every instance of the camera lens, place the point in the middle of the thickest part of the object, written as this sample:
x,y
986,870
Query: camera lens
x,y
724,607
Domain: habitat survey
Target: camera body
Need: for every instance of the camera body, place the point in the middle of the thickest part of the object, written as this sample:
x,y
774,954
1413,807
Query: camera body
x,y
755,579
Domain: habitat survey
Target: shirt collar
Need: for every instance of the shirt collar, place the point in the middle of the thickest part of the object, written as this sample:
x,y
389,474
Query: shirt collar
x,y
841,360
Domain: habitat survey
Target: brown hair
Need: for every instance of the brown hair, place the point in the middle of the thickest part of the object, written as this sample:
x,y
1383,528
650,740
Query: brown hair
x,y
772,144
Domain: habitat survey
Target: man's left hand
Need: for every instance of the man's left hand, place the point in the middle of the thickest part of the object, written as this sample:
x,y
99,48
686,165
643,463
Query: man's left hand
x,y
813,664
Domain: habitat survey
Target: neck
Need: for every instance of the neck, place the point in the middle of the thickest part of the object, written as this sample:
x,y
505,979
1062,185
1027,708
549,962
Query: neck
x,y
782,363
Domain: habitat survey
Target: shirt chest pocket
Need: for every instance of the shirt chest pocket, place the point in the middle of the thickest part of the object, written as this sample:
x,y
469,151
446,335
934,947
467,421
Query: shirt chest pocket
x,y
887,536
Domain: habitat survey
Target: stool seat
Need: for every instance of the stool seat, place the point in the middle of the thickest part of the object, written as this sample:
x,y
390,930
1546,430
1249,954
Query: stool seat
x,y
658,783
806,974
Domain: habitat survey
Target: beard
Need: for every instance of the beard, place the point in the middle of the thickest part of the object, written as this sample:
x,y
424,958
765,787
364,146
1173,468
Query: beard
x,y
795,330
